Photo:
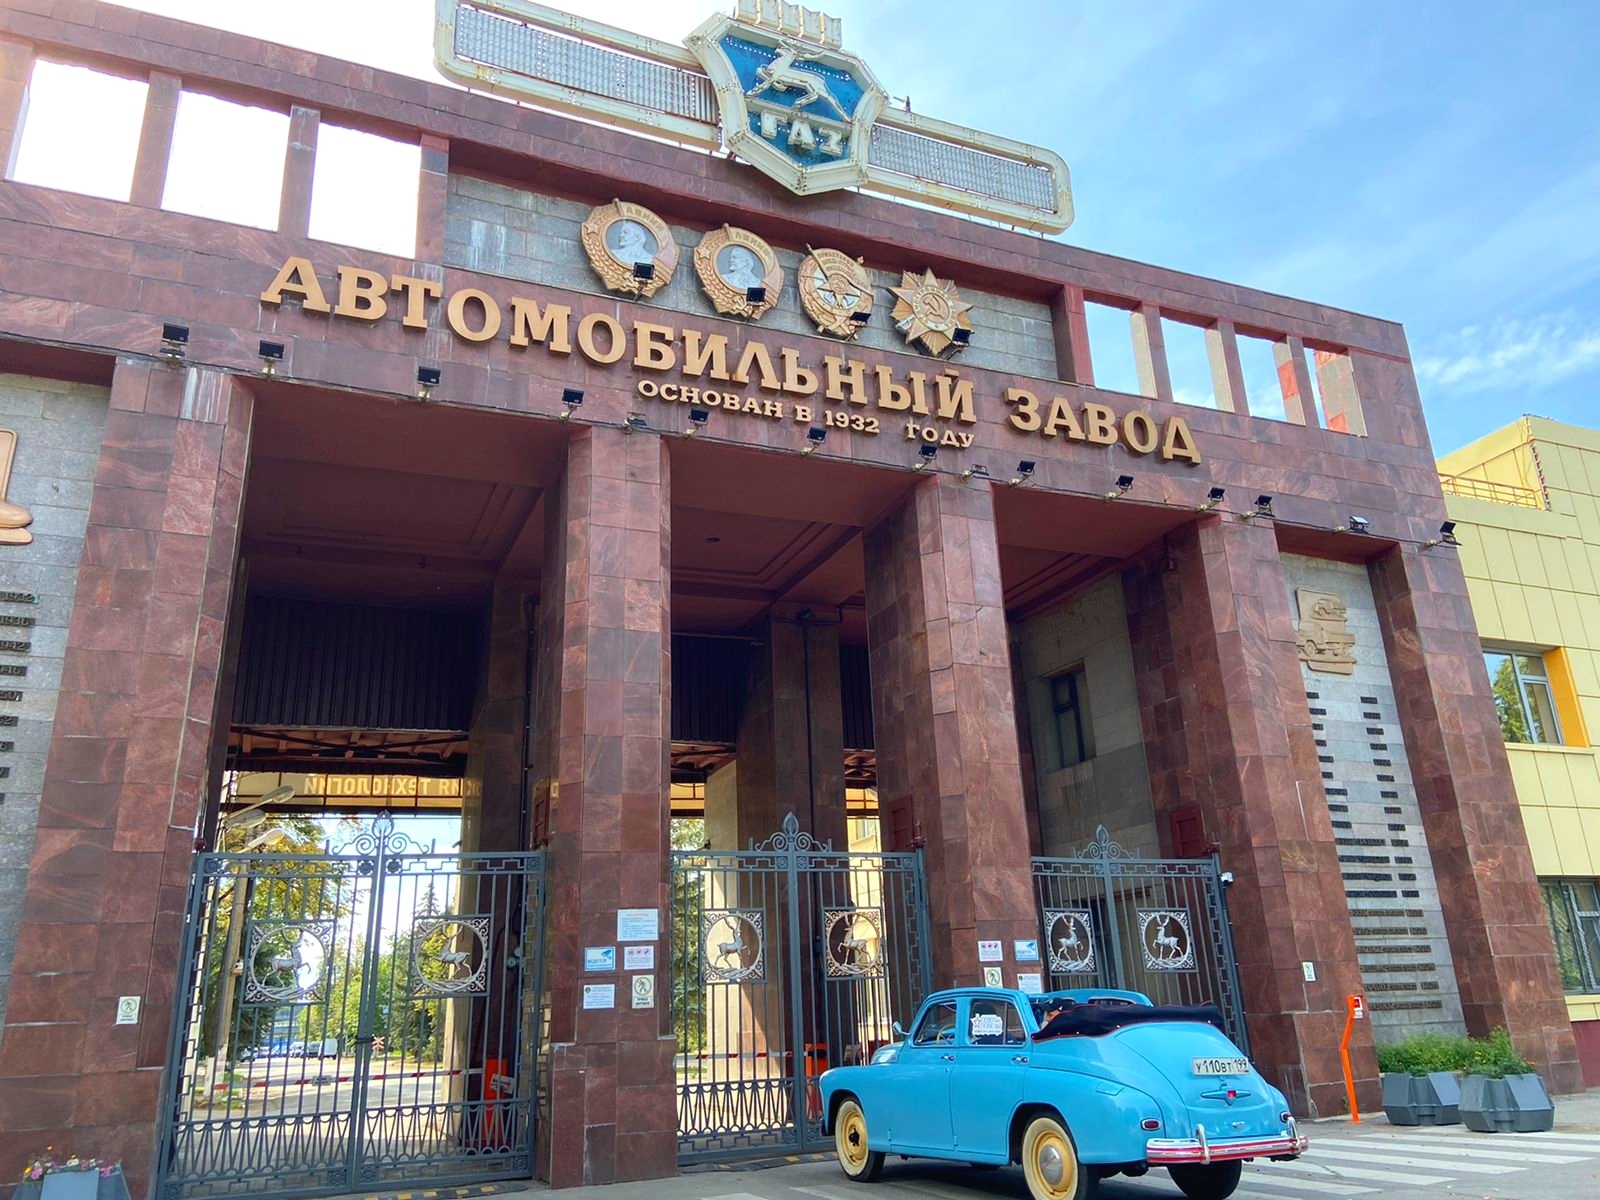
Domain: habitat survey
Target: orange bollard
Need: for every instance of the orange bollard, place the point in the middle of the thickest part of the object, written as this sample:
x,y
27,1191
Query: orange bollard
x,y
1356,1011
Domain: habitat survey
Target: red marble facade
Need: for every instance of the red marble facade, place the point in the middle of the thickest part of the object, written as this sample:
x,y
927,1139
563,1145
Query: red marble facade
x,y
601,748
944,717
1227,730
126,777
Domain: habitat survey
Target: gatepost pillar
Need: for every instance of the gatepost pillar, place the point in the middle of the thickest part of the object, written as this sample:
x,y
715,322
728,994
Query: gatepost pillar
x,y
945,721
601,805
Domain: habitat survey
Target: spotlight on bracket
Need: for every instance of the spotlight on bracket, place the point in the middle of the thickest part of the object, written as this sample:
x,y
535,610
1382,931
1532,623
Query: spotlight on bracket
x,y
635,424
1120,487
570,399
925,456
271,355
173,340
961,337
427,379
1447,537
755,295
1025,470
860,318
815,436
1263,508
1213,498
1354,524
644,272
698,419
978,469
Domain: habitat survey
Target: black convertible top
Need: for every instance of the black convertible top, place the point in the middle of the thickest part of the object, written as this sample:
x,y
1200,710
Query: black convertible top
x,y
1094,1020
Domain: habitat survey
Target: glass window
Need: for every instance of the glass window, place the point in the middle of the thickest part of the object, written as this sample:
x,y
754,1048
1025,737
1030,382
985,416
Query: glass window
x,y
1573,906
938,1025
994,1023
1522,696
1069,700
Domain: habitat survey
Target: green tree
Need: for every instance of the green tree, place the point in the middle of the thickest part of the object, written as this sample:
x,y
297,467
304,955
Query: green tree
x,y
1508,699
688,902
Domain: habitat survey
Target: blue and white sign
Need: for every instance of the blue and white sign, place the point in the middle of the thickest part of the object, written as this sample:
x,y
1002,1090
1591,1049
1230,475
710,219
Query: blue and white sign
x,y
1025,949
600,958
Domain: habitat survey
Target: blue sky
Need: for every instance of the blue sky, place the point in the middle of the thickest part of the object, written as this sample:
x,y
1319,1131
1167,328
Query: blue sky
x,y
1437,164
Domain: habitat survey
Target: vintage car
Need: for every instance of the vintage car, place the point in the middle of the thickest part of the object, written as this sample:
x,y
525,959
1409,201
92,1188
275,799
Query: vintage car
x,y
1074,1085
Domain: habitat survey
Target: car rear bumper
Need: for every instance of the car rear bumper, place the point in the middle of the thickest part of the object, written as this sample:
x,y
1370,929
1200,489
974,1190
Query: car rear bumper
x,y
1200,1149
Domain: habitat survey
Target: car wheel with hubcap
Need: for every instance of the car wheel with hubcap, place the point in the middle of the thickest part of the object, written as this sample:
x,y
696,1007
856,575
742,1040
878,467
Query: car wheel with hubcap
x,y
1213,1182
850,1140
1050,1163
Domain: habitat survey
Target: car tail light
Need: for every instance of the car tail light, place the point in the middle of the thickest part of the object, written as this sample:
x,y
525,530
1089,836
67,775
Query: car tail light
x,y
1284,1115
1149,1123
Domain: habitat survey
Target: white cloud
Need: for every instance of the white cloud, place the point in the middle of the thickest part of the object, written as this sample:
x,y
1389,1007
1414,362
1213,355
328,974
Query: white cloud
x,y
1512,355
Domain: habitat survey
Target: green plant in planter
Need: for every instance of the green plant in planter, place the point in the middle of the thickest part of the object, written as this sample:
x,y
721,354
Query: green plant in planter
x,y
1494,1057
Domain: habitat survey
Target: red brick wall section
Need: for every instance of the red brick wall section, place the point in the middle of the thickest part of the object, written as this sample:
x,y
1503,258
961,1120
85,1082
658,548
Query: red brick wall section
x,y
125,779
1227,729
945,719
1499,933
605,662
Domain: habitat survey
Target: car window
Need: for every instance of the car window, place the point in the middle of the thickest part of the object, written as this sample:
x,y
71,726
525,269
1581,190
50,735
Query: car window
x,y
994,1023
938,1025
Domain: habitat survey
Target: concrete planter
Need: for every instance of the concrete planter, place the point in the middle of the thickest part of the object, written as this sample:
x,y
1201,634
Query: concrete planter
x,y
1515,1104
1432,1099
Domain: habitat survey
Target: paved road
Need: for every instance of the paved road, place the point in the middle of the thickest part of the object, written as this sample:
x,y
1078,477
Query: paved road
x,y
1369,1161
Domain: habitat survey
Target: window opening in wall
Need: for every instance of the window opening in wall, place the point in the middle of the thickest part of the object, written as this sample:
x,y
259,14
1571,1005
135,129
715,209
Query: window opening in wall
x,y
1069,700
1188,363
364,191
1263,389
1111,347
80,130
1521,685
226,161
1573,906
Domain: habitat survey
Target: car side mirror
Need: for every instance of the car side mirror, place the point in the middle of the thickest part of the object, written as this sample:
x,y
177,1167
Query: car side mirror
x,y
899,1030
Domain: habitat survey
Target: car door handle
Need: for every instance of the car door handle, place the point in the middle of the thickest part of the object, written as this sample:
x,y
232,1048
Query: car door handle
x,y
947,1057
1019,1058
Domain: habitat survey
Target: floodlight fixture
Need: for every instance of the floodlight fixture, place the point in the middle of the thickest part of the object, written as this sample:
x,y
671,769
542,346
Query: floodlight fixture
x,y
815,436
1354,524
635,424
1120,487
570,399
1213,498
1025,470
698,419
860,318
756,295
427,379
925,456
977,469
644,272
961,336
271,354
1262,509
173,340
1447,537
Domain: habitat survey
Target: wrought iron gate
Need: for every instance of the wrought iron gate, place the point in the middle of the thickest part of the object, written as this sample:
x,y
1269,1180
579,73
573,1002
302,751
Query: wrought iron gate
x,y
788,958
352,1018
1154,925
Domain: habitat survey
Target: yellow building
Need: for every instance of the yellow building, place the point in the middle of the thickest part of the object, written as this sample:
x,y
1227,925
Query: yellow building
x,y
1526,502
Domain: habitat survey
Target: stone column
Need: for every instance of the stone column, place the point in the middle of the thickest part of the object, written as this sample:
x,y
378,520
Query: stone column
x,y
602,749
944,717
1227,730
1499,934
126,779
492,800
791,739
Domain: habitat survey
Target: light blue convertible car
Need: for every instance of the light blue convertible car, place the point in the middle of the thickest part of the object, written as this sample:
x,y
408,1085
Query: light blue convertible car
x,y
1075,1085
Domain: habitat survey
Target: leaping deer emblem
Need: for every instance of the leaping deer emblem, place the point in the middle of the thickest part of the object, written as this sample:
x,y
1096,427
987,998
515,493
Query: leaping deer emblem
x,y
1070,942
782,75
1168,948
733,949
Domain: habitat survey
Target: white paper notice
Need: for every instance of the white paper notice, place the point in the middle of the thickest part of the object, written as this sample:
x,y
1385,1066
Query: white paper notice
x,y
639,958
638,924
1030,982
599,995
644,991
991,952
